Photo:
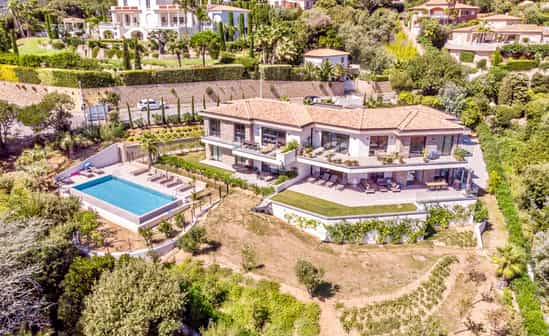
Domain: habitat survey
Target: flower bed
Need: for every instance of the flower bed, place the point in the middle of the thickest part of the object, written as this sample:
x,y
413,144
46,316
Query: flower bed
x,y
168,134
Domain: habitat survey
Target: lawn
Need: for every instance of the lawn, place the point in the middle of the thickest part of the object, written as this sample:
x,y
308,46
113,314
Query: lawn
x,y
196,157
331,209
33,46
165,63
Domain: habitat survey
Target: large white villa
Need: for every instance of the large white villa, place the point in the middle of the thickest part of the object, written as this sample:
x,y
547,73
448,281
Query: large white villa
x,y
493,32
139,17
445,11
354,157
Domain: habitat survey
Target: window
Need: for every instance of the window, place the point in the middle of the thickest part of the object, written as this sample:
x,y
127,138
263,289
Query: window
x,y
272,136
215,128
239,133
378,144
338,142
127,19
417,145
164,21
240,161
125,2
148,3
447,143
215,153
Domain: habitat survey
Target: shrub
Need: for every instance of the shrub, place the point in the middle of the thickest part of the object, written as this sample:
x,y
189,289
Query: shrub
x,y
227,58
466,57
520,65
194,74
280,72
309,275
481,64
192,240
57,44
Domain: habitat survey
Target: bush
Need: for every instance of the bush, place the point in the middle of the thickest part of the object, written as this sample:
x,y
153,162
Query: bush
x,y
520,65
280,72
481,64
195,74
192,240
227,58
75,78
466,57
57,44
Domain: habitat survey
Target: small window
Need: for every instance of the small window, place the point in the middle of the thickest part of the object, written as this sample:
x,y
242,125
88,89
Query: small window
x,y
148,3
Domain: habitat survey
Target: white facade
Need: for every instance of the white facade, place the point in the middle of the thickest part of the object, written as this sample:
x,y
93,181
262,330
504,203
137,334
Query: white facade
x,y
139,17
303,4
343,60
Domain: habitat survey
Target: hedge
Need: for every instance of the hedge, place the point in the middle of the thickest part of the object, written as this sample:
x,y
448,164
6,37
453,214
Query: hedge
x,y
530,50
55,77
281,72
525,289
194,74
466,57
520,65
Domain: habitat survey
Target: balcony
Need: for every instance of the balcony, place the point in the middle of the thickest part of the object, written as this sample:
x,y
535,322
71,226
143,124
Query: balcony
x,y
381,162
270,154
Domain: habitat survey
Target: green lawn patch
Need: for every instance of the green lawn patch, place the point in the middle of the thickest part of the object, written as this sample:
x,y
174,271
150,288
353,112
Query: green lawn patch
x,y
33,46
331,209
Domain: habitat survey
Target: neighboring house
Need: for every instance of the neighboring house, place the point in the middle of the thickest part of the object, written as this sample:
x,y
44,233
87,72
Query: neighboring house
x,y
74,26
317,56
137,18
3,6
385,92
442,10
303,4
495,31
410,145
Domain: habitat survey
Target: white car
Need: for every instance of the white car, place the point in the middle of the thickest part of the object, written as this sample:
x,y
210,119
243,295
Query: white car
x,y
153,104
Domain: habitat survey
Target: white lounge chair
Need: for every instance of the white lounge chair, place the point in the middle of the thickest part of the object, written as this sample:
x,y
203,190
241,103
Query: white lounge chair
x,y
332,181
323,179
174,183
313,178
139,171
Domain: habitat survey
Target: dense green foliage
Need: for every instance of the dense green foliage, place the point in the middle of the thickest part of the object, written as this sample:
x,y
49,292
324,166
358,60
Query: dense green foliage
x,y
466,56
520,65
195,74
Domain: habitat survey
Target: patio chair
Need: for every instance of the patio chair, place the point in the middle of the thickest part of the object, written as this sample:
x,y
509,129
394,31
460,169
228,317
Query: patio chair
x,y
323,179
332,181
174,183
395,187
313,178
86,174
340,186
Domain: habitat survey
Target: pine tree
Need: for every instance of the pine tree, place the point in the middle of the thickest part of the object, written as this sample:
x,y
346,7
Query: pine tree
x,y
221,32
126,55
137,59
241,28
14,42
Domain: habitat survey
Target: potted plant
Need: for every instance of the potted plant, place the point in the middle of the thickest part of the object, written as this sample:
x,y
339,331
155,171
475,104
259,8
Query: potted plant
x,y
425,155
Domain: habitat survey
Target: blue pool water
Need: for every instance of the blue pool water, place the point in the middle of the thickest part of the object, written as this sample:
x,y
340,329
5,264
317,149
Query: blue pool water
x,y
125,195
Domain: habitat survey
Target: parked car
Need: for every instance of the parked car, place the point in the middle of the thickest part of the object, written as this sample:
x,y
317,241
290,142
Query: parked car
x,y
153,104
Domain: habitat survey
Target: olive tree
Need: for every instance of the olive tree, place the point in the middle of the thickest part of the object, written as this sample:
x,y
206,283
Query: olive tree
x,y
136,298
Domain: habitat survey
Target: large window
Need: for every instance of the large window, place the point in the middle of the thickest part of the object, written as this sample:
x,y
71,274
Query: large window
x,y
215,128
447,143
336,141
215,153
417,145
378,144
272,136
239,133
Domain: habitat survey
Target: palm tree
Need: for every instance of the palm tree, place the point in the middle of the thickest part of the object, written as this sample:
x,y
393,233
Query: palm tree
x,y
511,261
149,143
326,70
267,39
339,71
178,47
310,71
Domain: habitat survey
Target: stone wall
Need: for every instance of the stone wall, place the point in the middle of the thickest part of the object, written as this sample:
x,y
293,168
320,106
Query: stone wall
x,y
24,94
225,90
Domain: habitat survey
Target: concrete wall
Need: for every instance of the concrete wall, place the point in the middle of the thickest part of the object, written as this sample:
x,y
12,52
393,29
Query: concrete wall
x,y
106,157
223,89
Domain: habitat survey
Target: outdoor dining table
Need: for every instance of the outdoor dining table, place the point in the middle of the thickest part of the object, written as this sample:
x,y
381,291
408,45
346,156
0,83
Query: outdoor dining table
x,y
436,185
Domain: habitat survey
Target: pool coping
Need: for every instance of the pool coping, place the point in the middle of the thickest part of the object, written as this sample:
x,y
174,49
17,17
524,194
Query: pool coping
x,y
139,220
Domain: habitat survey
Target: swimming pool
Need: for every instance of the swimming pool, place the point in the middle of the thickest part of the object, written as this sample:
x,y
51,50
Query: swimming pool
x,y
125,195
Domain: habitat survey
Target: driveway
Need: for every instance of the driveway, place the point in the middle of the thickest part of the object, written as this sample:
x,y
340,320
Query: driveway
x,y
476,161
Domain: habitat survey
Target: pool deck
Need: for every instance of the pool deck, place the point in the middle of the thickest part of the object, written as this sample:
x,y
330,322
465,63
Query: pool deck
x,y
124,171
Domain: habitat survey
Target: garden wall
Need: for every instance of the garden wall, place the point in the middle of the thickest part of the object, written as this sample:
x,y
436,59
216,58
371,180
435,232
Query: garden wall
x,y
26,94
224,90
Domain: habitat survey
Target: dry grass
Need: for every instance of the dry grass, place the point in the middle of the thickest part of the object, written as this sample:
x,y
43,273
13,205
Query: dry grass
x,y
356,270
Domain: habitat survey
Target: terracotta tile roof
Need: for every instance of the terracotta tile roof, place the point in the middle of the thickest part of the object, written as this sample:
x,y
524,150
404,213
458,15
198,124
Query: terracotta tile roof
x,y
324,52
500,17
403,118
225,8
519,28
443,3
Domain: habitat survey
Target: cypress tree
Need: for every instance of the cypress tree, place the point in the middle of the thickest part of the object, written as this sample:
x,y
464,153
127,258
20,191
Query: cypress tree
x,y
130,120
148,114
137,59
221,32
126,55
178,110
192,108
251,34
163,110
204,102
230,19
48,26
241,25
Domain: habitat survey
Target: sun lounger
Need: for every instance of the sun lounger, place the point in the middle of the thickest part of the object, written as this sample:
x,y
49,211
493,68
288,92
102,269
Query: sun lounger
x,y
184,188
395,187
156,177
323,179
332,181
340,186
139,171
86,174
167,179
174,183
313,178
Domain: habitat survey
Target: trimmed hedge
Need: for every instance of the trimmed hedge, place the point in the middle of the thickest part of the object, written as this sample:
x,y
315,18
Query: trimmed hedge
x,y
466,57
520,65
281,72
56,77
529,51
525,289
194,74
